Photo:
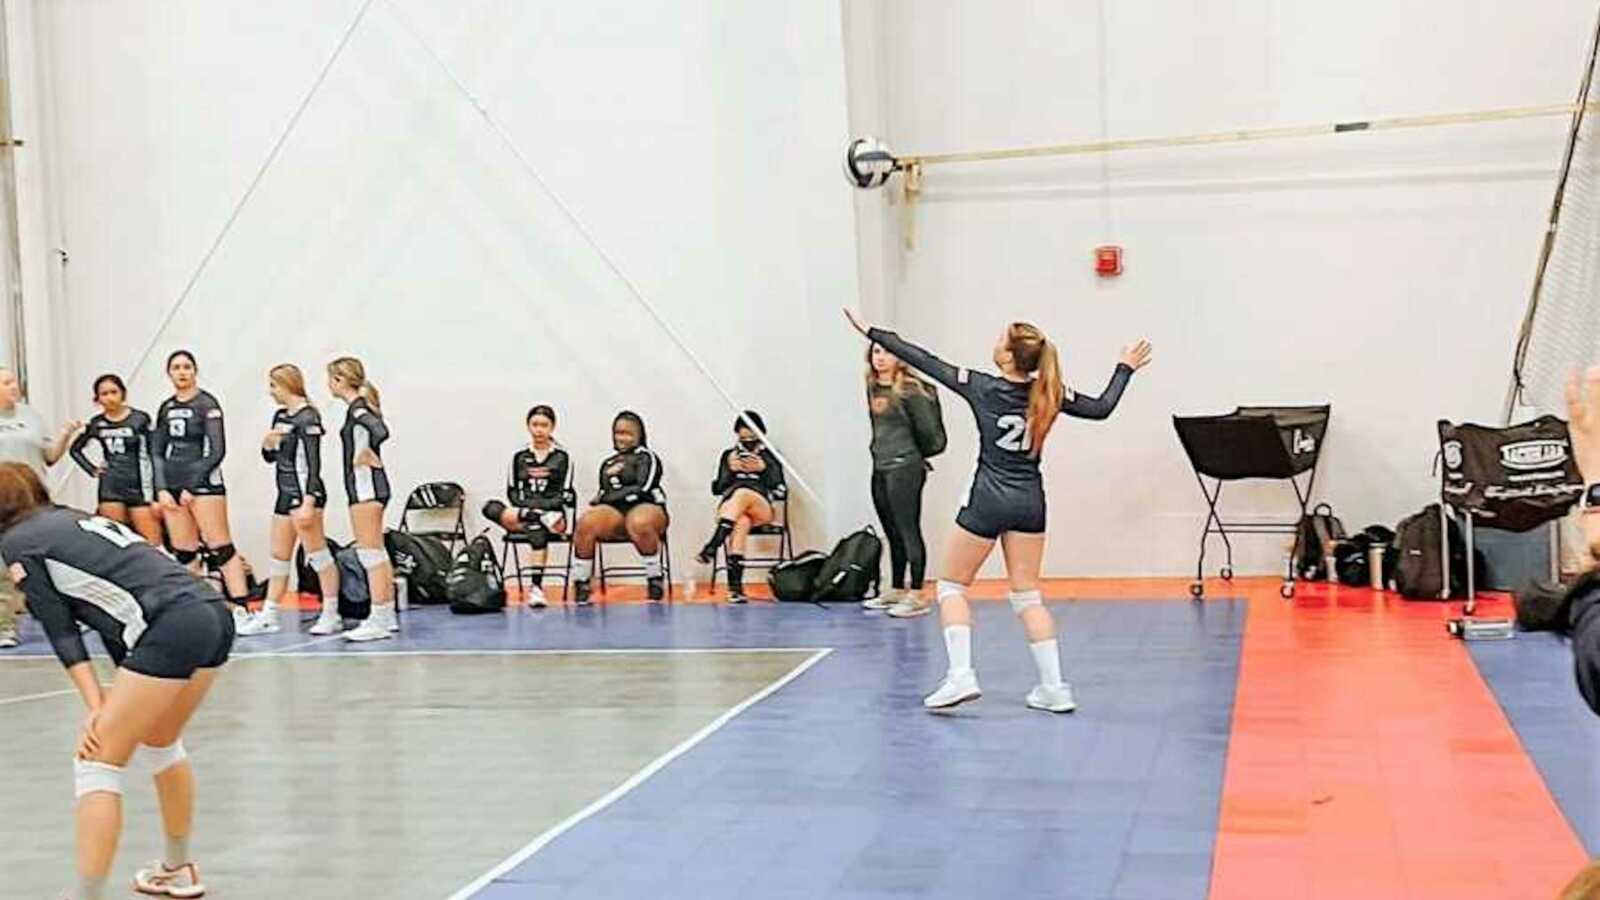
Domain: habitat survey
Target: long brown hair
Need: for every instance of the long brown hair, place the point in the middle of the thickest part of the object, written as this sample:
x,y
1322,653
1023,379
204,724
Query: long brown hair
x,y
901,382
21,492
1033,354
349,370
289,377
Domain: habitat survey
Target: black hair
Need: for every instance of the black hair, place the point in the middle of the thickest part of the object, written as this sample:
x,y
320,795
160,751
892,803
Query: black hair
x,y
540,409
183,353
114,379
638,423
749,418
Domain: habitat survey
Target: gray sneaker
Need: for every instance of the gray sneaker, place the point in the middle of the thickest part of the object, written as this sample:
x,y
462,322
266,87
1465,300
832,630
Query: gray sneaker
x,y
8,638
885,600
910,606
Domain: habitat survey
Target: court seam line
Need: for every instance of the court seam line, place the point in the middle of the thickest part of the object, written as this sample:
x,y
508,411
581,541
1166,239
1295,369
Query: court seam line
x,y
633,781
290,653
40,696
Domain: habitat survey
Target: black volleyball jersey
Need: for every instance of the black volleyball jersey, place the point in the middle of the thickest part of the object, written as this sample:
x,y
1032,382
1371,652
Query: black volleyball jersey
x,y
74,567
124,447
363,429
765,482
297,462
535,483
629,477
187,434
1005,459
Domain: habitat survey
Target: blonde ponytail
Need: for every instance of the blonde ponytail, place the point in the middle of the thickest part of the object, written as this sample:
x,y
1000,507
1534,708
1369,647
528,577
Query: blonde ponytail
x,y
1032,353
349,370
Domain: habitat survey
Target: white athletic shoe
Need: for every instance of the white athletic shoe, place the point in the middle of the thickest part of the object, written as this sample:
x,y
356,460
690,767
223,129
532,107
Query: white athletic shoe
x,y
958,688
263,622
328,622
1052,698
8,638
910,606
378,626
536,598
884,600
241,618
184,881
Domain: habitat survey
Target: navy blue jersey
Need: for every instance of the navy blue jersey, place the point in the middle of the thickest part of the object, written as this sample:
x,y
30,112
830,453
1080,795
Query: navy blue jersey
x,y
297,461
187,437
124,447
1005,458
538,483
363,429
76,568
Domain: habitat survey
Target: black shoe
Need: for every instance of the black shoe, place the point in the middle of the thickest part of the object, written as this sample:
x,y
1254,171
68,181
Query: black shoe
x,y
736,596
580,593
655,589
707,556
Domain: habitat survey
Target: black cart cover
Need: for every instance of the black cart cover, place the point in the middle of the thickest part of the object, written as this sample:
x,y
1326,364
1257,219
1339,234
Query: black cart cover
x,y
1254,441
1511,478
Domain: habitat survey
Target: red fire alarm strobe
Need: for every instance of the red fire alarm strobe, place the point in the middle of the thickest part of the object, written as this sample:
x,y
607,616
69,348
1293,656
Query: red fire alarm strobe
x,y
1108,261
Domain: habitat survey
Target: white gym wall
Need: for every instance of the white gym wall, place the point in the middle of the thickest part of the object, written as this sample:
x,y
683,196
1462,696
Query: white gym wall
x,y
699,142
1383,273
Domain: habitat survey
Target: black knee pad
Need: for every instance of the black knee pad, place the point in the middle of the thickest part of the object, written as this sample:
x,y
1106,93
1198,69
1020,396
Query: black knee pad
x,y
185,556
493,510
217,557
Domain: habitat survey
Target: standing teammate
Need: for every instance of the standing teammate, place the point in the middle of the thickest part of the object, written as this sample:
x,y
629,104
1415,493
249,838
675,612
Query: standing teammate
x,y
1014,414
907,428
167,631
294,446
536,488
749,478
187,445
123,473
366,486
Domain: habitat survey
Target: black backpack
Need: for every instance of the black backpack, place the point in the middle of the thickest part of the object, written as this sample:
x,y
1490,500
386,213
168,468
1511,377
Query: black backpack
x,y
306,581
791,580
1316,538
474,583
1417,570
851,572
1353,557
927,422
355,594
423,561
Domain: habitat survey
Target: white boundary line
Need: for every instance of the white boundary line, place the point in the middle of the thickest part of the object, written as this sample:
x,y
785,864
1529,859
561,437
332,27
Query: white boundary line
x,y
638,778
289,653
6,700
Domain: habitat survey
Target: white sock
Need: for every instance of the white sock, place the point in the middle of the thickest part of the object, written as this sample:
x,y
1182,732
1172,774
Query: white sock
x,y
958,646
1047,656
652,567
330,606
582,569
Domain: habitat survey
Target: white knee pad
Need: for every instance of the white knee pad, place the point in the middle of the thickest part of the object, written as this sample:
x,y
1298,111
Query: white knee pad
x,y
949,590
371,558
96,777
279,568
320,560
1021,600
164,758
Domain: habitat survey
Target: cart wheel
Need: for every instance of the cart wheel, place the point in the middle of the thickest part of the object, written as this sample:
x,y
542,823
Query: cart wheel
x,y
1227,573
1470,607
1287,590
1197,590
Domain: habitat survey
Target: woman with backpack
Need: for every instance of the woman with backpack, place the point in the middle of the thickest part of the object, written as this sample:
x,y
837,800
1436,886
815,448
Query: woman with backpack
x,y
907,429
1014,411
293,446
749,477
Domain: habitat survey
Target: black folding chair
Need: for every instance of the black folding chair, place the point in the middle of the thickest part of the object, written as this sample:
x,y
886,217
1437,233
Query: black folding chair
x,y
511,556
777,528
436,497
635,570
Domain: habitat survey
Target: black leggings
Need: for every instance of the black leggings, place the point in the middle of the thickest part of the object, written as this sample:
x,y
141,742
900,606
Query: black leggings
x,y
897,496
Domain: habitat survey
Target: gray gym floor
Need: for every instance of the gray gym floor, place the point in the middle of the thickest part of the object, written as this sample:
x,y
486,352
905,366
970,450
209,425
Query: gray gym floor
x,y
370,775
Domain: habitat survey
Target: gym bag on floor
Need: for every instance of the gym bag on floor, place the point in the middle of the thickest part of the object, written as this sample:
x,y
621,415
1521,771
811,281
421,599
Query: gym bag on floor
x,y
355,594
423,561
1418,571
474,583
791,580
851,571
1318,534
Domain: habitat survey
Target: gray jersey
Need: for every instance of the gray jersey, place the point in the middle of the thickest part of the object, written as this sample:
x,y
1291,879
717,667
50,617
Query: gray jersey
x,y
23,437
80,568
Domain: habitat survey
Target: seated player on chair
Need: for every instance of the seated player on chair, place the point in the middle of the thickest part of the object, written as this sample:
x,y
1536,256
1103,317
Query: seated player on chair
x,y
535,505
629,507
748,477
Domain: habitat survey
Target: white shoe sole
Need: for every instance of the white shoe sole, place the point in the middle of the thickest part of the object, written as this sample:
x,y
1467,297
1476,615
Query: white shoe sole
x,y
179,893
1052,709
902,612
959,699
322,628
360,637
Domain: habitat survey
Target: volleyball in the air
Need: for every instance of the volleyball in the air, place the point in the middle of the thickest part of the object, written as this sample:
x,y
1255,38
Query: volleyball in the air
x,y
868,163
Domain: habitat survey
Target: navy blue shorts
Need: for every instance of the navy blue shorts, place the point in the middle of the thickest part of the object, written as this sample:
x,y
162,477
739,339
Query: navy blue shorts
x,y
991,511
189,636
